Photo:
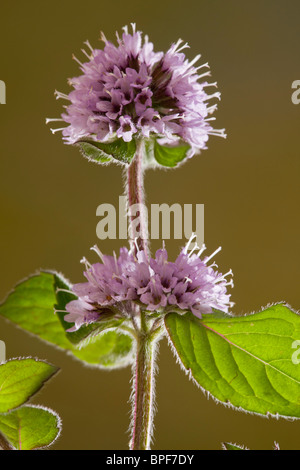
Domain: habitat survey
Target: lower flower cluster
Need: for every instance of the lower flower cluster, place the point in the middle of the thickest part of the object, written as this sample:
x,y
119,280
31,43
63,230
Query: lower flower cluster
x,y
155,284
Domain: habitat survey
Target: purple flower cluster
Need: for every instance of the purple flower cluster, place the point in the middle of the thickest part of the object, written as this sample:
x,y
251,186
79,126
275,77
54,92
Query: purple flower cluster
x,y
120,284
129,90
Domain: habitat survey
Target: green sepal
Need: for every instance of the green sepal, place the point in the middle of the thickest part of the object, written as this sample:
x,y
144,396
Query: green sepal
x,y
100,152
170,156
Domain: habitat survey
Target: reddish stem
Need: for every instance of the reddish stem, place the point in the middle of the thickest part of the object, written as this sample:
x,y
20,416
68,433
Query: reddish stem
x,y
135,197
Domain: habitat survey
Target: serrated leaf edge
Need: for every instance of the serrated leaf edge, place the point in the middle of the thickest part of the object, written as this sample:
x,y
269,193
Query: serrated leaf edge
x,y
21,358
240,447
69,352
208,395
92,160
41,407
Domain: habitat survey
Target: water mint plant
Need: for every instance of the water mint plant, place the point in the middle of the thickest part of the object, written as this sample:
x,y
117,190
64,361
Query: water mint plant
x,y
143,109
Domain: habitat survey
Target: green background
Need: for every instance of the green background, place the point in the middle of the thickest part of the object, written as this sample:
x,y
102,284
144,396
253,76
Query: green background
x,y
249,185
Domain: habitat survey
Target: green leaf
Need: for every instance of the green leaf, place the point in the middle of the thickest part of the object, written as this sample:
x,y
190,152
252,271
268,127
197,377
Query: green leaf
x,y
31,306
244,361
102,153
20,379
170,156
230,446
110,350
93,153
30,427
85,333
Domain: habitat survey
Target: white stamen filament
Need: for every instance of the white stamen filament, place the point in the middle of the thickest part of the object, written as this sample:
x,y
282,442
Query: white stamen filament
x,y
210,84
96,250
77,60
185,46
61,95
205,74
218,132
64,290
196,247
194,60
229,273
214,95
212,109
116,260
89,46
86,262
213,265
185,250
136,244
203,248
201,66
53,120
213,254
57,130
174,47
86,54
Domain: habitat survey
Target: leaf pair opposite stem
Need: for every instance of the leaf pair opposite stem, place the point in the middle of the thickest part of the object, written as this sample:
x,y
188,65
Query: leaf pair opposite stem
x,y
244,362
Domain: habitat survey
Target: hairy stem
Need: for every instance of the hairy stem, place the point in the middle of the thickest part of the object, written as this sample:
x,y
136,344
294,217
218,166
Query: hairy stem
x,y
143,371
143,390
135,198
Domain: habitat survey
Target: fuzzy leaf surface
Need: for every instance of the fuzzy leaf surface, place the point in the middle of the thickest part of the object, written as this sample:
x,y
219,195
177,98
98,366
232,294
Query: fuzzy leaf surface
x,y
31,306
243,361
103,152
30,427
20,379
170,156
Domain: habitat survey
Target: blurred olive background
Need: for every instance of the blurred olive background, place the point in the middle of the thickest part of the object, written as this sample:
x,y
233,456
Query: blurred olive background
x,y
248,183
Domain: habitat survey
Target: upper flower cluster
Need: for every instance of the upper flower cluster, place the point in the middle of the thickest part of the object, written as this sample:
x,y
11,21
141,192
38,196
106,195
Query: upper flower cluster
x,y
155,284
129,89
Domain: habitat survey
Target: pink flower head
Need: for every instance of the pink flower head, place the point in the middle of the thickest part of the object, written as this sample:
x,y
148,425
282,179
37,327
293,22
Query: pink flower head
x,y
127,282
128,90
